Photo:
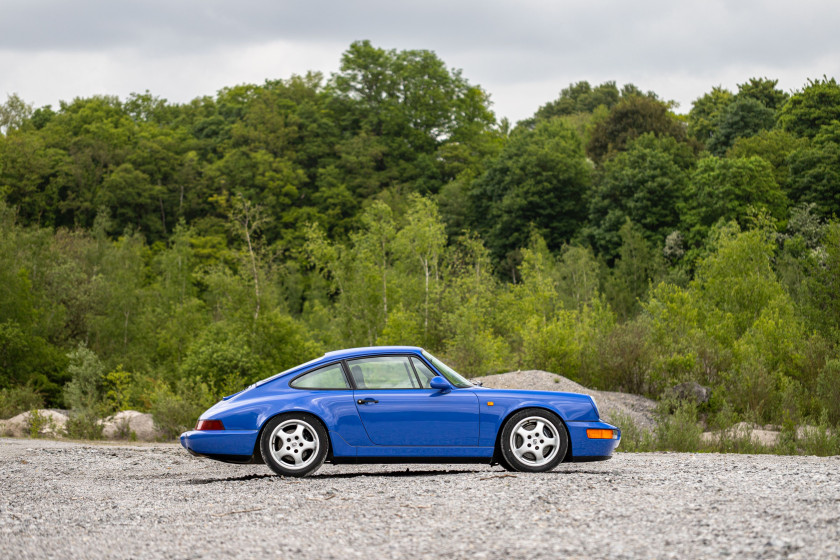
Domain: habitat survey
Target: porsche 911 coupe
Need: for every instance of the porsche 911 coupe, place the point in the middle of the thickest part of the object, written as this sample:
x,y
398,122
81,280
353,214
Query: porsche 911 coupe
x,y
396,404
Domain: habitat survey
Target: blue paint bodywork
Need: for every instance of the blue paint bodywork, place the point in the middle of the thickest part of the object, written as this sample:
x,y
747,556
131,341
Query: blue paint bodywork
x,y
404,424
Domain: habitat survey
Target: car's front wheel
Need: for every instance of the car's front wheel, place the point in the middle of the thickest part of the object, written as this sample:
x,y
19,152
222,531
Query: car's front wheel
x,y
533,440
294,444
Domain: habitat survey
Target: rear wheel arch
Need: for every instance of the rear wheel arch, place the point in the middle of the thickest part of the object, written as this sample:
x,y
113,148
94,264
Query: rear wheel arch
x,y
314,416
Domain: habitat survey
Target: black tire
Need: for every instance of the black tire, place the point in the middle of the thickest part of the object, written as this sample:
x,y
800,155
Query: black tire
x,y
539,443
500,459
294,444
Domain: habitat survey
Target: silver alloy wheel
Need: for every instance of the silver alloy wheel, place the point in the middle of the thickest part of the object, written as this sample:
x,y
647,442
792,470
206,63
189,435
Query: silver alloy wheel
x,y
294,444
534,441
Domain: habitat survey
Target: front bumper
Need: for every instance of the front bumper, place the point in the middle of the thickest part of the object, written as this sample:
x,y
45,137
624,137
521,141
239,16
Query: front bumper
x,y
586,449
224,445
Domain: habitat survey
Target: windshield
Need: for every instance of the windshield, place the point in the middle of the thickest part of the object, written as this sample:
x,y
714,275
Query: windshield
x,y
450,374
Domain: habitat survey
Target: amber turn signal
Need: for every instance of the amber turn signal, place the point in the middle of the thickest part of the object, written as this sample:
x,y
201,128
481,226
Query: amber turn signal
x,y
204,425
601,434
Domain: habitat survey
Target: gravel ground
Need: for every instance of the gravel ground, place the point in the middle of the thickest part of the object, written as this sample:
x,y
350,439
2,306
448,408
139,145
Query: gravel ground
x,y
62,499
639,408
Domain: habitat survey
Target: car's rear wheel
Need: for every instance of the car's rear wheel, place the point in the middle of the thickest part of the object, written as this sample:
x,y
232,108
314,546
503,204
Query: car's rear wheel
x,y
294,444
533,440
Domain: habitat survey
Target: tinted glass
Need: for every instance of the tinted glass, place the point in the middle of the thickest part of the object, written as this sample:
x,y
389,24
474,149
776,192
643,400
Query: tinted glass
x,y
330,377
385,372
425,373
450,374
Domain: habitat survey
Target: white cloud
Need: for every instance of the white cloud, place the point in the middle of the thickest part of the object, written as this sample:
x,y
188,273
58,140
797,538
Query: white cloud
x,y
522,53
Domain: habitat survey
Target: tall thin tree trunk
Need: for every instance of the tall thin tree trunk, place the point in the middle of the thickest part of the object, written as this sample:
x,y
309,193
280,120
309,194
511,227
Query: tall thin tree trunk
x,y
254,270
426,311
384,285
162,215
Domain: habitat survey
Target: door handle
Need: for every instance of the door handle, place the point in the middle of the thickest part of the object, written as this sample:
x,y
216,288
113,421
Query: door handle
x,y
367,401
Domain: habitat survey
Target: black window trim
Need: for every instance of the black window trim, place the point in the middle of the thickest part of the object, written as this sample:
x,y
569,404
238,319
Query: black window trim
x,y
408,355
428,365
347,379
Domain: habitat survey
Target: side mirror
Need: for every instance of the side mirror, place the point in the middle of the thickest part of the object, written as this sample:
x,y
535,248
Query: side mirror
x,y
440,384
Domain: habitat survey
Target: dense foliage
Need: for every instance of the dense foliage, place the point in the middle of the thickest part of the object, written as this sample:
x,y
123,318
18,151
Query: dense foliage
x,y
156,256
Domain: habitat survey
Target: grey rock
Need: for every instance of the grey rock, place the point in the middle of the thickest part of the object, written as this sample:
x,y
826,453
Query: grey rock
x,y
130,424
690,391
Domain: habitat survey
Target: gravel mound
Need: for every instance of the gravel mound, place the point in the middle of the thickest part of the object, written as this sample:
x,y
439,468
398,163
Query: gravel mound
x,y
51,423
610,404
123,424
61,499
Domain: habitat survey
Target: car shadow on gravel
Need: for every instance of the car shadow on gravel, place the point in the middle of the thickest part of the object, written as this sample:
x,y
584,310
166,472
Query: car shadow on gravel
x,y
330,476
230,479
393,474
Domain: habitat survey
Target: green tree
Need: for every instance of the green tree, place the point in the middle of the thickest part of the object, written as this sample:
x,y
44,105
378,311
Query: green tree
x,y
763,90
628,120
637,265
705,113
538,181
85,390
14,113
643,184
744,117
815,171
725,189
580,97
815,106
422,240
406,105
775,146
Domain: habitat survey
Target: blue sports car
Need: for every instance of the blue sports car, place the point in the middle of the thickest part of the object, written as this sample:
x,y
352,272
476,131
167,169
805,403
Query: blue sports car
x,y
396,404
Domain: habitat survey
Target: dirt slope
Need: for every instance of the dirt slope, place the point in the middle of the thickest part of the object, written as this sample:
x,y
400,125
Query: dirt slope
x,y
640,409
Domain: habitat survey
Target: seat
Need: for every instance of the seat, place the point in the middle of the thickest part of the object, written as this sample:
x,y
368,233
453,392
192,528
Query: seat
x,y
358,377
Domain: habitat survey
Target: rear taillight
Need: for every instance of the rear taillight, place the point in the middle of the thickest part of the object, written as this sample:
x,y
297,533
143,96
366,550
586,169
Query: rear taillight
x,y
204,425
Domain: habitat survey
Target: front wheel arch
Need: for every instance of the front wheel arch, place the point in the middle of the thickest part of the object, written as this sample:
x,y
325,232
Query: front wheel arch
x,y
497,448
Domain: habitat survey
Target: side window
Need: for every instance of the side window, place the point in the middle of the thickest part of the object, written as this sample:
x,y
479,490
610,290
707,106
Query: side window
x,y
385,372
423,371
330,377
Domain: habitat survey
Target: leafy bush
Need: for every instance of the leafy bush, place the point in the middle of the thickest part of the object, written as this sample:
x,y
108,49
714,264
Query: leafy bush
x,y
177,411
39,424
828,391
679,431
84,425
85,389
633,437
736,440
819,440
220,351
626,359
14,400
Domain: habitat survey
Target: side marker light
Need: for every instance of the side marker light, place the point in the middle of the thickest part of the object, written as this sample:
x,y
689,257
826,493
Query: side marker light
x,y
601,434
489,403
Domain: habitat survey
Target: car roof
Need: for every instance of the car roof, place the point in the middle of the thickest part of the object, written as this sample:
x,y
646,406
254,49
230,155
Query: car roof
x,y
368,350
340,355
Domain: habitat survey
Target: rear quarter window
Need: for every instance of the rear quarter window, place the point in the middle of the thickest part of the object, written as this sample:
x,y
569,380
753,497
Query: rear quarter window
x,y
327,377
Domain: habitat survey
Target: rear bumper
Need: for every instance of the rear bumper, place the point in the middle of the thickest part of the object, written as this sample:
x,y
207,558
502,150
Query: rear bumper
x,y
585,449
235,446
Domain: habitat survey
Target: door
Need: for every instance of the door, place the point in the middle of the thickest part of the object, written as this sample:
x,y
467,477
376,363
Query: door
x,y
397,410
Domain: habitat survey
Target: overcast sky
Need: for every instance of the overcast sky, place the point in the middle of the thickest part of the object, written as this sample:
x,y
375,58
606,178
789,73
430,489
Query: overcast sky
x,y
523,53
